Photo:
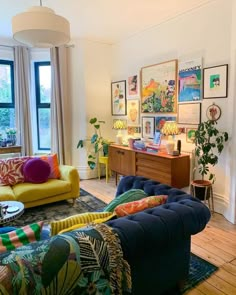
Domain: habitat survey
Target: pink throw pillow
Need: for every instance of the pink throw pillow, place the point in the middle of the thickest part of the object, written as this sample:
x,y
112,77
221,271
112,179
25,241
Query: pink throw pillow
x,y
140,205
36,170
11,170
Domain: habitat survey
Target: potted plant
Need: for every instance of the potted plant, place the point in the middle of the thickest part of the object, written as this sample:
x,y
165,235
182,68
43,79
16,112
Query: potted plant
x,y
98,142
209,143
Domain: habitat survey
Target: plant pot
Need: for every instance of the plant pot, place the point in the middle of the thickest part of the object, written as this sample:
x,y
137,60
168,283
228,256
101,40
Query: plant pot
x,y
198,188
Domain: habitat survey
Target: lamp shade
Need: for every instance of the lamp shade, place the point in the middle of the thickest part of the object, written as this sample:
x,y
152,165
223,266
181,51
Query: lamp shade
x,y
39,26
119,124
170,128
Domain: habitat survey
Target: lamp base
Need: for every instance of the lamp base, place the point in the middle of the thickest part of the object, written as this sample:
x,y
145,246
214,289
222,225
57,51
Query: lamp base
x,y
170,145
119,138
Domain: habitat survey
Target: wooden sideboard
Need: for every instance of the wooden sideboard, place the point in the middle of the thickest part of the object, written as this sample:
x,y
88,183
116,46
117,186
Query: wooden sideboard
x,y
10,149
171,170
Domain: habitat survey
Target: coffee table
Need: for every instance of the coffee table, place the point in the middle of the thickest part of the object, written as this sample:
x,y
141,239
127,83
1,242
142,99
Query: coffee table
x,y
13,211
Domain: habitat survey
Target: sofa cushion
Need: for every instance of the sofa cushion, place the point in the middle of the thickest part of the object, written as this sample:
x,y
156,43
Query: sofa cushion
x,y
83,218
129,196
25,192
11,170
52,160
21,236
36,170
6,193
140,205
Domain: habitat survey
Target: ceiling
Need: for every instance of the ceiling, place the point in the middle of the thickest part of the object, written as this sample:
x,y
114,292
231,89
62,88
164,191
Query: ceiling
x,y
108,21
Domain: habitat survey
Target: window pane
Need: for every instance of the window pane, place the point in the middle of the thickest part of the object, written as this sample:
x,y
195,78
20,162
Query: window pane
x,y
45,84
5,84
7,118
44,128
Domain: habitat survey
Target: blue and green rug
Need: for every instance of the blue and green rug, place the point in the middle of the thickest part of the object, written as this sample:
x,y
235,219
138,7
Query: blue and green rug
x,y
200,269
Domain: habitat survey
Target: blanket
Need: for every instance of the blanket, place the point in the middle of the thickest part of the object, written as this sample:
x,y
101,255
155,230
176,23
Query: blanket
x,y
85,261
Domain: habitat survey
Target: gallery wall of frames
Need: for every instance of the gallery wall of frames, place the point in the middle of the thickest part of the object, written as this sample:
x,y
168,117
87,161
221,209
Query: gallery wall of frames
x,y
169,91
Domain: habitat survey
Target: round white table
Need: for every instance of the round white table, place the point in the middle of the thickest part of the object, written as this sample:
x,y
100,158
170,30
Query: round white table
x,y
14,210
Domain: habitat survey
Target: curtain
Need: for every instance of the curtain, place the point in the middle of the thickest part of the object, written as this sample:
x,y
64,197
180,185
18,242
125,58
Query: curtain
x,y
60,105
22,98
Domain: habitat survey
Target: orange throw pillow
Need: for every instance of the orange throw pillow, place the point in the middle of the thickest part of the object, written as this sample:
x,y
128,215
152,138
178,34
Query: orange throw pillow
x,y
52,160
140,205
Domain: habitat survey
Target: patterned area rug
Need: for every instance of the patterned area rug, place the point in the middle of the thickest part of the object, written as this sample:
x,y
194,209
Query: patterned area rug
x,y
200,270
59,210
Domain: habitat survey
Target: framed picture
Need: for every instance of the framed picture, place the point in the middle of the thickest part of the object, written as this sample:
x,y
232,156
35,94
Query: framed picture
x,y
148,127
158,88
190,80
190,134
160,121
133,111
213,112
189,113
133,88
215,82
157,138
134,129
118,98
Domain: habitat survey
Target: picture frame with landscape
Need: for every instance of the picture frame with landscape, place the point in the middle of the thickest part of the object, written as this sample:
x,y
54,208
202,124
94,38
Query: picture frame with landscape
x,y
158,88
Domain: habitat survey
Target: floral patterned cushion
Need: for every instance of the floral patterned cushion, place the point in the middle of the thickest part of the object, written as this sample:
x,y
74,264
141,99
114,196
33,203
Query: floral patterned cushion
x,y
137,206
11,171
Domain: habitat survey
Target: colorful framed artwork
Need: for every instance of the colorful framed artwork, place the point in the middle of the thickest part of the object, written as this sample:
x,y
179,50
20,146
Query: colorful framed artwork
x,y
213,112
190,135
133,129
160,121
189,113
148,127
118,98
133,88
190,80
158,88
133,111
215,82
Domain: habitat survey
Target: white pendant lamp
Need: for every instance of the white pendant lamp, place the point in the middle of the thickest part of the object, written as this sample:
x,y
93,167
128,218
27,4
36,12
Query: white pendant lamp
x,y
39,26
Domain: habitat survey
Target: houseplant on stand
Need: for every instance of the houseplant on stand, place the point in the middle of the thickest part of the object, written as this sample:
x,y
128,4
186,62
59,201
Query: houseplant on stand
x,y
209,143
99,143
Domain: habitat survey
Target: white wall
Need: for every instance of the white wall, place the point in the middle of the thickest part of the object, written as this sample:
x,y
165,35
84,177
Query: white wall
x,y
206,33
90,66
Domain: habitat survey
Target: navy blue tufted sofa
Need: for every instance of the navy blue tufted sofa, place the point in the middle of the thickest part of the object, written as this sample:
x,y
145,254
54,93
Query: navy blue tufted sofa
x,y
156,242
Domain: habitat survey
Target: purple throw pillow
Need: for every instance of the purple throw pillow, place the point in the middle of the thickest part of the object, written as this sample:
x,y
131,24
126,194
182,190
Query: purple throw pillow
x,y
36,170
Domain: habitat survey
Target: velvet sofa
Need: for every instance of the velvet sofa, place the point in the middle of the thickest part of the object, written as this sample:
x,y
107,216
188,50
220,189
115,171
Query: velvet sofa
x,y
53,190
155,243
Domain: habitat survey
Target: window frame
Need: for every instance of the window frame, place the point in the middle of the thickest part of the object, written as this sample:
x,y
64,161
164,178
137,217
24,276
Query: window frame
x,y
7,104
39,104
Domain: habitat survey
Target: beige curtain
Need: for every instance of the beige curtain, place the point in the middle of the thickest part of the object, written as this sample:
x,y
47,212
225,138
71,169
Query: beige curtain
x,y
22,98
60,105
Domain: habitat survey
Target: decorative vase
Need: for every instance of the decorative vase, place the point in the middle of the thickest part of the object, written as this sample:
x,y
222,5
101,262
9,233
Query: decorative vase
x,y
11,138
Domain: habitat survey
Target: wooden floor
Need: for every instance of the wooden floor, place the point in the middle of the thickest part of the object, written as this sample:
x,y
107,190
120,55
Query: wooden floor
x,y
217,244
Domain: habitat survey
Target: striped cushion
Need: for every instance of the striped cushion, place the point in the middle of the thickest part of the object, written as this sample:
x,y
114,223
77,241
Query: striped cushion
x,y
84,218
80,225
21,236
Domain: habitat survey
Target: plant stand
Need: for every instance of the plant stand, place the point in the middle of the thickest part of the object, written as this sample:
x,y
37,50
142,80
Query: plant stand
x,y
202,189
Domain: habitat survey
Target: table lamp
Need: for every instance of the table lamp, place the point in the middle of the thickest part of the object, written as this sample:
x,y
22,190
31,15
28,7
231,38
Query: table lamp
x,y
119,125
170,129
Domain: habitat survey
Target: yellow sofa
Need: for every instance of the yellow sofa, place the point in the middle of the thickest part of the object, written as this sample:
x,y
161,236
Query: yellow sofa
x,y
53,190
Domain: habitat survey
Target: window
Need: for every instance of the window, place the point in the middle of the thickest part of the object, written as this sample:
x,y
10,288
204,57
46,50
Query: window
x,y
43,100
7,100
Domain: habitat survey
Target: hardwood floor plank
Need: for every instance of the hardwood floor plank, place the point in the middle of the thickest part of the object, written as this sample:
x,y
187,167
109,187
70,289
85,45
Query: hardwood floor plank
x,y
194,292
208,289
226,276
221,285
